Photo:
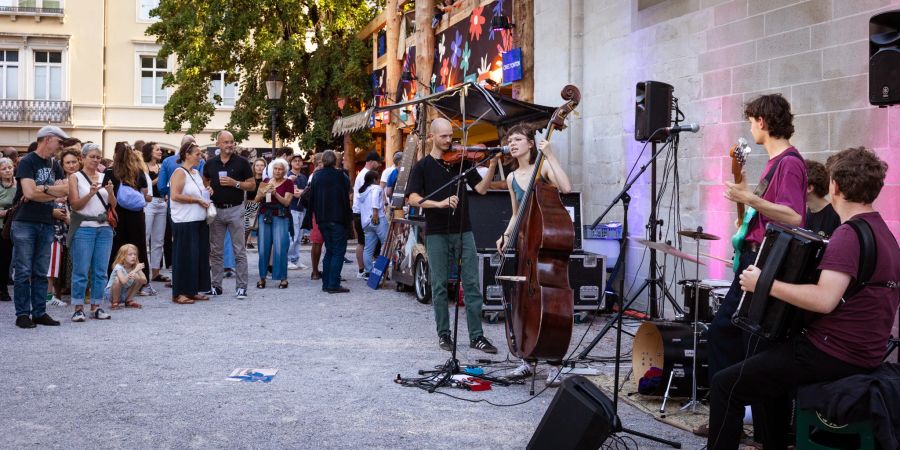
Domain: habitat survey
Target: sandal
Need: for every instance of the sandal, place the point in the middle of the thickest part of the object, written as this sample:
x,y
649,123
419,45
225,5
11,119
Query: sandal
x,y
133,304
261,284
114,305
182,300
283,284
198,297
161,278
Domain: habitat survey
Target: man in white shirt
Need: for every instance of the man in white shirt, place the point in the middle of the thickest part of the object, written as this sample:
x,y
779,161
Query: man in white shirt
x,y
373,161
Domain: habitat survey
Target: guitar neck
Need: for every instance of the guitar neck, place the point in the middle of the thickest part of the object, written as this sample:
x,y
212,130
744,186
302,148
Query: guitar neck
x,y
740,206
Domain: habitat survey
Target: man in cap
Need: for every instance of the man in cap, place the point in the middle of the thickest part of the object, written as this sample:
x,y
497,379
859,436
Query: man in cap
x,y
373,161
40,181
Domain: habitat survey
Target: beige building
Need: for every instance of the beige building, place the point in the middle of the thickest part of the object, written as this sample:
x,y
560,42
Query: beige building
x,y
86,66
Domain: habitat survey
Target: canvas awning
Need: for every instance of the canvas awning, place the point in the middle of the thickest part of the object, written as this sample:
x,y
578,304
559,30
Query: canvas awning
x,y
349,124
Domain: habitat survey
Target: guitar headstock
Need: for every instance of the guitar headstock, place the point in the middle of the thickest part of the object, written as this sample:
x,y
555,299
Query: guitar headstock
x,y
738,152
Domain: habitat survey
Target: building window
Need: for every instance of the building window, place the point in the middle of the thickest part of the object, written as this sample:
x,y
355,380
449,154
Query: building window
x,y
226,91
45,4
144,8
152,71
9,74
47,75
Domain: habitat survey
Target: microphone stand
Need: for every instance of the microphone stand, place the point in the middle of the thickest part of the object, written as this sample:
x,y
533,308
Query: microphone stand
x,y
451,367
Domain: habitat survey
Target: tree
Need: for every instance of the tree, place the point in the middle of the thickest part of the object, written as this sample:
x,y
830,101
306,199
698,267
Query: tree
x,y
310,42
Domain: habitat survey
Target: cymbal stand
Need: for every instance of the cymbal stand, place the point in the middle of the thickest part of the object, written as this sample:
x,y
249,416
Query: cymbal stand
x,y
693,403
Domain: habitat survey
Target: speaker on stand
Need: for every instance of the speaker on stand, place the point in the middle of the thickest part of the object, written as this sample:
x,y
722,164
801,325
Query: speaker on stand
x,y
653,110
884,59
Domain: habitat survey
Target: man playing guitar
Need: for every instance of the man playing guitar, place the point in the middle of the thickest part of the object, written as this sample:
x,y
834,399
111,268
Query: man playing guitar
x,y
857,312
781,199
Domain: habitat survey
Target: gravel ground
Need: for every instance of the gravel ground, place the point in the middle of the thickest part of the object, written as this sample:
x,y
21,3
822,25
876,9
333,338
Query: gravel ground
x,y
155,378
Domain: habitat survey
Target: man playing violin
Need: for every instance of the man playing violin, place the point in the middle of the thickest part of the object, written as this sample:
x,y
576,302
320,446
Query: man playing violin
x,y
448,232
781,199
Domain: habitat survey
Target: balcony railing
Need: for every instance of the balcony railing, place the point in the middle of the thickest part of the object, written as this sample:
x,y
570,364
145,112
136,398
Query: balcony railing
x,y
41,111
30,10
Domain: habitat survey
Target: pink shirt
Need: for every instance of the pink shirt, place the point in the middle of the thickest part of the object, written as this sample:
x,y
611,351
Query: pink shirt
x,y
787,187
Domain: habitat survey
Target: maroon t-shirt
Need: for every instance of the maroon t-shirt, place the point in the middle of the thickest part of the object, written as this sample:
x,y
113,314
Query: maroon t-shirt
x,y
283,189
787,187
857,331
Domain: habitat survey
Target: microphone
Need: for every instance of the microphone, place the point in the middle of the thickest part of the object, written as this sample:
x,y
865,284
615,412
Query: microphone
x,y
502,149
691,127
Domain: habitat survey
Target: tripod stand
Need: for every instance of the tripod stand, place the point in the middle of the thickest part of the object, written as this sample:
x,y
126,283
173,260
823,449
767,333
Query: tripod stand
x,y
617,318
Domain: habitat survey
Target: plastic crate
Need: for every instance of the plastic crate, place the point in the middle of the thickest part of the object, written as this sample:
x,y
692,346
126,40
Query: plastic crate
x,y
610,230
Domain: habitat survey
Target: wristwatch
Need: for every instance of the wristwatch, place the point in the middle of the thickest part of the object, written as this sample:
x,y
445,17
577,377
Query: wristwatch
x,y
45,188
237,184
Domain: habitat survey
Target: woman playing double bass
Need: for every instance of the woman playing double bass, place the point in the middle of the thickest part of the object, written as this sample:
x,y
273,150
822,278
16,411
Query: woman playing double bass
x,y
521,142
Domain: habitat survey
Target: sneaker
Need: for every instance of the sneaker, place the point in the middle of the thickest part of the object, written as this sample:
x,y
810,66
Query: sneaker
x,y
362,275
215,290
56,301
292,266
481,343
554,378
24,322
241,293
46,320
445,342
100,314
347,261
147,291
78,316
521,372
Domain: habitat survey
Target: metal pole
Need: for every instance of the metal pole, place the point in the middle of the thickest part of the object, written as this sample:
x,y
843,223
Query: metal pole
x,y
274,111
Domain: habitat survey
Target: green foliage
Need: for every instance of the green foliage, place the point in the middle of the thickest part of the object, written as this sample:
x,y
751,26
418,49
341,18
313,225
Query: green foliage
x,y
310,42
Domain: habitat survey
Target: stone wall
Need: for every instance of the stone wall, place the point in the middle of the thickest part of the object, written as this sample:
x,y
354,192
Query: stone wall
x,y
717,54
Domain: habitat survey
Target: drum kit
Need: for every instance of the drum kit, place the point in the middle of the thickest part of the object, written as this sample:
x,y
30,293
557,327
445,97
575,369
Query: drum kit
x,y
666,344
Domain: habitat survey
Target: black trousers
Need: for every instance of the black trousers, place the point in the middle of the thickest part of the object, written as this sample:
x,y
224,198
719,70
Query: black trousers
x,y
5,260
190,258
769,379
132,229
726,341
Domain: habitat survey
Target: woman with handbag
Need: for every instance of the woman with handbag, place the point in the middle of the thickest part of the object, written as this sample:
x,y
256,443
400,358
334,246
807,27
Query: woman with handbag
x,y
7,194
93,204
274,197
130,188
251,206
190,206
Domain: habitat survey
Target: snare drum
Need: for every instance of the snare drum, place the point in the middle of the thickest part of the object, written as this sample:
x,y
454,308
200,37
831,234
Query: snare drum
x,y
712,293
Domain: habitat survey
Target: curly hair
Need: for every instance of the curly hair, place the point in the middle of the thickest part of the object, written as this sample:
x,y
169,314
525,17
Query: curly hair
x,y
147,151
126,166
818,177
775,110
859,174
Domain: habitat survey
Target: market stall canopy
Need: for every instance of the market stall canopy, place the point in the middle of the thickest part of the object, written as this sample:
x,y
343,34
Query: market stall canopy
x,y
488,106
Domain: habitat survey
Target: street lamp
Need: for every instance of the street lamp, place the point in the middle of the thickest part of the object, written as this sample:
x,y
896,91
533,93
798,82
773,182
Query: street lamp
x,y
273,94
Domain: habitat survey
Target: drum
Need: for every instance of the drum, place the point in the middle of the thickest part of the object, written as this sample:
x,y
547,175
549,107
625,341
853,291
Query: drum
x,y
712,293
669,346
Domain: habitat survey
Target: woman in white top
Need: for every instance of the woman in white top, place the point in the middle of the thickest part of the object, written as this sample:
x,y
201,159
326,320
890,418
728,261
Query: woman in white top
x,y
372,217
190,233
91,234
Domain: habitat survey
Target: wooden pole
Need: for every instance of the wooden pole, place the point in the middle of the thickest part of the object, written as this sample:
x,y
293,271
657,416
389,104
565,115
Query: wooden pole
x,y
424,46
523,37
393,66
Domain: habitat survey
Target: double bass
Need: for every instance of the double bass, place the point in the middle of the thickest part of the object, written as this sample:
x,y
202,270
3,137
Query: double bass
x,y
538,299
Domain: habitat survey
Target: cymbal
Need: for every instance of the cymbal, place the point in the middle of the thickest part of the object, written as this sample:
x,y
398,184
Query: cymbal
x,y
669,250
698,235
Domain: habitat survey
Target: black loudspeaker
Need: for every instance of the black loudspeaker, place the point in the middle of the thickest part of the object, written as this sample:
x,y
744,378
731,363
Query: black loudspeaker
x,y
579,417
884,58
489,215
652,110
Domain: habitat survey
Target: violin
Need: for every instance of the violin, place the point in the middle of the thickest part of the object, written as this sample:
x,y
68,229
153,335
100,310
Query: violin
x,y
458,153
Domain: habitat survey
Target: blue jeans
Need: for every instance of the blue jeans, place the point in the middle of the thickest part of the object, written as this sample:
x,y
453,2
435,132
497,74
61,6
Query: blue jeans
x,y
90,247
294,251
274,239
31,256
335,236
374,235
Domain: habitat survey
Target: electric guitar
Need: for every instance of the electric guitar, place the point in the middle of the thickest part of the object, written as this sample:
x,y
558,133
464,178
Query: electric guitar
x,y
738,153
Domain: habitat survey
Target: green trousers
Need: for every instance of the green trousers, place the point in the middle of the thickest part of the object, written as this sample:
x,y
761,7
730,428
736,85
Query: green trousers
x,y
442,259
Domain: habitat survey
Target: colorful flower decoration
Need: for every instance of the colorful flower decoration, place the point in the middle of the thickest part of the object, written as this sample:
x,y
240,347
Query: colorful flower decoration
x,y
506,41
485,65
476,21
445,71
464,60
455,49
441,48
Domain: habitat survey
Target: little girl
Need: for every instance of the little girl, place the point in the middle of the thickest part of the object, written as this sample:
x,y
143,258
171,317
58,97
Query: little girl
x,y
126,278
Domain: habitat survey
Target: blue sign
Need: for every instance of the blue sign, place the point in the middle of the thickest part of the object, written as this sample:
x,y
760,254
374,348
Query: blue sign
x,y
512,65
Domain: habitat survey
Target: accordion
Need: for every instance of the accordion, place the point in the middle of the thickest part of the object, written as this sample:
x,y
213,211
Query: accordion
x,y
791,255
